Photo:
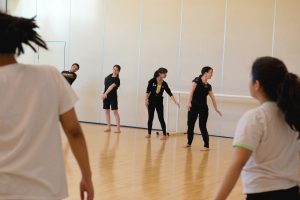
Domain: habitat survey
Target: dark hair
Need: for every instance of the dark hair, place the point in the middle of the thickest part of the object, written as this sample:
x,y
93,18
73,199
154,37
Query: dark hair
x,y
118,66
77,65
204,70
16,31
280,86
160,71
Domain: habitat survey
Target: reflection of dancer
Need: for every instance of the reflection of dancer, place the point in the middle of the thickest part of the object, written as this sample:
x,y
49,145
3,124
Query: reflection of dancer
x,y
153,167
195,182
266,140
71,74
107,160
154,99
31,160
110,97
197,106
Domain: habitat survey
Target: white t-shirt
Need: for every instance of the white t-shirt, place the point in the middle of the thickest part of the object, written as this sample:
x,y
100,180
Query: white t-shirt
x,y
31,162
274,163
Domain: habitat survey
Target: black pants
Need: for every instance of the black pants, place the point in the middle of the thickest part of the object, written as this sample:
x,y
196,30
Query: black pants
x,y
159,106
192,118
289,194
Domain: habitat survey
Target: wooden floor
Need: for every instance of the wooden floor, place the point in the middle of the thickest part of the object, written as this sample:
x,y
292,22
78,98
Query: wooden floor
x,y
128,166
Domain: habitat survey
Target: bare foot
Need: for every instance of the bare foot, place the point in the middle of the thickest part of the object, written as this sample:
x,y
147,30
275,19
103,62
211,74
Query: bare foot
x,y
204,149
118,131
148,136
107,130
187,146
164,137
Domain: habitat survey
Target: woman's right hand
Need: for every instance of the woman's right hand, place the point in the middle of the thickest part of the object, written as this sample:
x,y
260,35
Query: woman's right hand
x,y
103,96
188,106
86,186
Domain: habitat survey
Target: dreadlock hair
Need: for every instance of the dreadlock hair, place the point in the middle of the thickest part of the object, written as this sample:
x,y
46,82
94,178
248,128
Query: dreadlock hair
x,y
16,31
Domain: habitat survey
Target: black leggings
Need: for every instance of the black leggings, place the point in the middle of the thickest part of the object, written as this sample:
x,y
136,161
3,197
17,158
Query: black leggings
x,y
192,118
288,194
159,106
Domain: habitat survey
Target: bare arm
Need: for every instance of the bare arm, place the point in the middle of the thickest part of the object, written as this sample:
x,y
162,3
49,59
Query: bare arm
x,y
213,98
168,90
77,142
240,157
109,89
175,101
190,97
67,75
146,99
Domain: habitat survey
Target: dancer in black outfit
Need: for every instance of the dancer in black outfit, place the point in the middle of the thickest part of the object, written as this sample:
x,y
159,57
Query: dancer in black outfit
x,y
110,97
197,106
71,74
154,99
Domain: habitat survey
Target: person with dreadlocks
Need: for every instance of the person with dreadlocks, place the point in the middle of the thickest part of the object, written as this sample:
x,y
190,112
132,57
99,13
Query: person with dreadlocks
x,y
35,100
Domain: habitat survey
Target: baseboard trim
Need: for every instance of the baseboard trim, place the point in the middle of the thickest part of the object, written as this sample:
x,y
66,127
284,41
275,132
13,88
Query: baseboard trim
x,y
142,128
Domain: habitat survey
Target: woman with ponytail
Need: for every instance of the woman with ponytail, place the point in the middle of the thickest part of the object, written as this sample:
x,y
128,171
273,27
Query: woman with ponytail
x,y
267,140
35,100
110,97
197,106
154,99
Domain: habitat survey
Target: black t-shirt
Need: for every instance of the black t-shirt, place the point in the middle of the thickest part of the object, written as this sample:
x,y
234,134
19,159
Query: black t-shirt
x,y
200,94
109,80
152,89
70,76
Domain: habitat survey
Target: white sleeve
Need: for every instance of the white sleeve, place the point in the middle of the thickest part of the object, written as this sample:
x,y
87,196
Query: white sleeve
x,y
67,96
249,131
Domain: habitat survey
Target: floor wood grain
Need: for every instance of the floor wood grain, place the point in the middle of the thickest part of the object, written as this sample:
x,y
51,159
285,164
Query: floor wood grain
x,y
128,166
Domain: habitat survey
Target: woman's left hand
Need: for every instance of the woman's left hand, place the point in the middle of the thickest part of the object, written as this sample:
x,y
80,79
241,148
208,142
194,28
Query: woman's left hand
x,y
178,104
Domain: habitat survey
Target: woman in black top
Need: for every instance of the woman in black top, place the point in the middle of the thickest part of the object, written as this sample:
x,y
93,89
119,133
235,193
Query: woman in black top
x,y
110,97
197,105
154,99
71,74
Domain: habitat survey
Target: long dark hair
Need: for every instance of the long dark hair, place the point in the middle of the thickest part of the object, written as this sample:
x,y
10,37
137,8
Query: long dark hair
x,y
280,86
16,31
160,71
204,70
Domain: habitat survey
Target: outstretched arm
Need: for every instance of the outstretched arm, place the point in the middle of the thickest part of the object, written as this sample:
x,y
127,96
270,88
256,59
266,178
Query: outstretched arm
x,y
213,98
240,157
67,75
77,142
175,101
168,90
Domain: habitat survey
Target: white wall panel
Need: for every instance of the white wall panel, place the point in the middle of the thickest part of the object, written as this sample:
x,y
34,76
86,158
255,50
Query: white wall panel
x,y
86,48
53,19
249,35
181,35
121,47
287,31
202,41
3,5
55,56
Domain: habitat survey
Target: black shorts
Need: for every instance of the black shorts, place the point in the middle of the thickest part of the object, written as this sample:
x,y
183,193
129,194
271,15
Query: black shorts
x,y
288,194
110,103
